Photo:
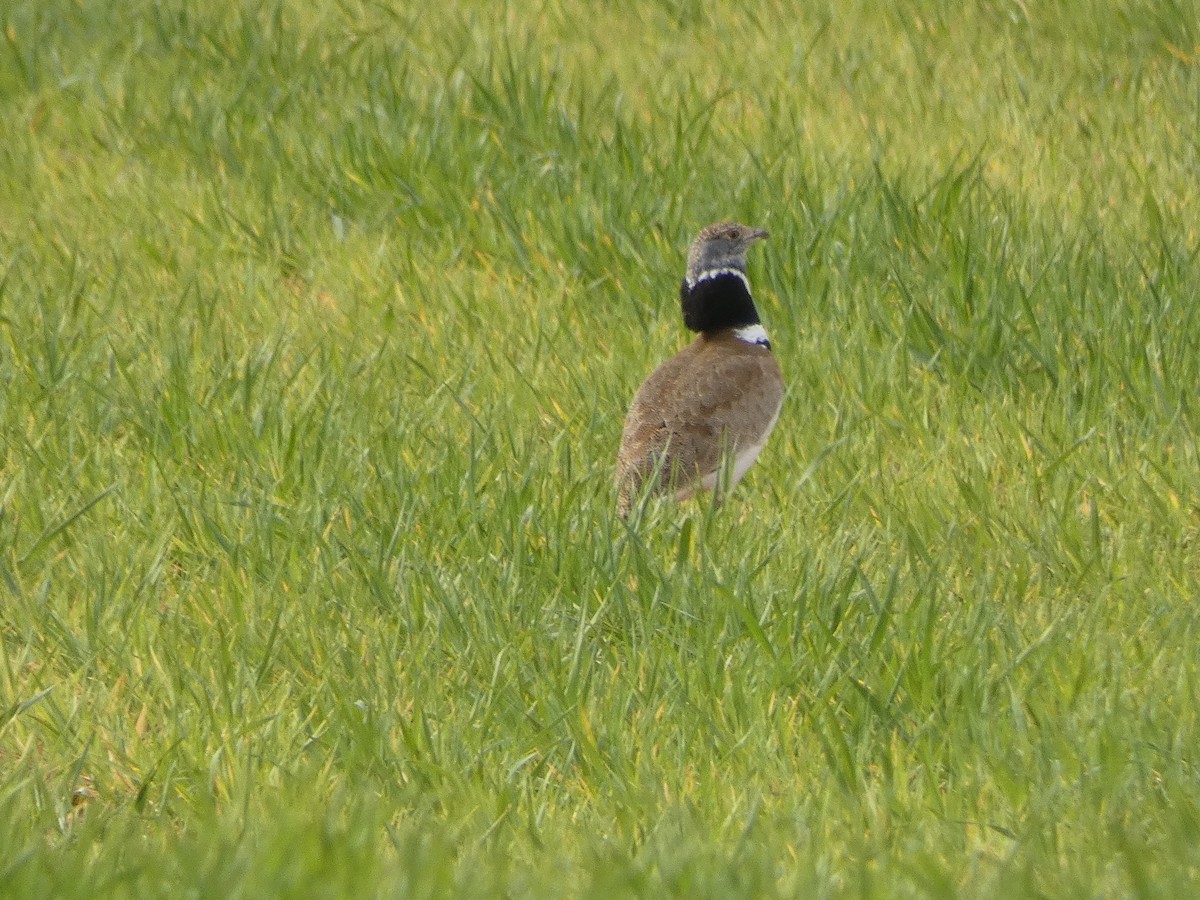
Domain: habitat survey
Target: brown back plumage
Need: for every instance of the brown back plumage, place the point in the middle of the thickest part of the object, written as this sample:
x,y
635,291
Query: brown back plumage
x,y
719,394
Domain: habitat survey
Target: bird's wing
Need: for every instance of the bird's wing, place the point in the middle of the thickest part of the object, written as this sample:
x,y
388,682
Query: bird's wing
x,y
724,406
695,405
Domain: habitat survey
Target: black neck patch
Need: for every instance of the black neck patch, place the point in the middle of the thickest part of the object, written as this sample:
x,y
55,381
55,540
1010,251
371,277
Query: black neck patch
x,y
721,301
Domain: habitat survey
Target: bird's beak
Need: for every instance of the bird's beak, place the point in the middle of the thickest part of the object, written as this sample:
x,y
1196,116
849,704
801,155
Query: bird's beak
x,y
759,235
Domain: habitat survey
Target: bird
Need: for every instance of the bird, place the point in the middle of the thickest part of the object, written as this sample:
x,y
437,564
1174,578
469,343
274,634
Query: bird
x,y
716,401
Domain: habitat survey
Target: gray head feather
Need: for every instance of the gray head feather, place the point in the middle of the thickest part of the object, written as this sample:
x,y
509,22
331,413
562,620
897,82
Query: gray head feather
x,y
721,246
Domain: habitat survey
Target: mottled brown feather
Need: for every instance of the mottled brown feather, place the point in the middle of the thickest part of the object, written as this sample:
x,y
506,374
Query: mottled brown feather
x,y
717,394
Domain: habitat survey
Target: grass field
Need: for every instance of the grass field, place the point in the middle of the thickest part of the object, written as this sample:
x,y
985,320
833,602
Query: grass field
x,y
317,326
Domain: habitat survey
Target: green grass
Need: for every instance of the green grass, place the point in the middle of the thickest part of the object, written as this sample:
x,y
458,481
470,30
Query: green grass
x,y
317,326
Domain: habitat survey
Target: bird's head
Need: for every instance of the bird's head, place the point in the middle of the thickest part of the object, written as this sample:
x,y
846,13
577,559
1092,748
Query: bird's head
x,y
721,246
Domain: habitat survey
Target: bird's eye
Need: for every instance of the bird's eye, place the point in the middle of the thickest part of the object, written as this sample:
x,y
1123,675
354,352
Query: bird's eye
x,y
733,234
